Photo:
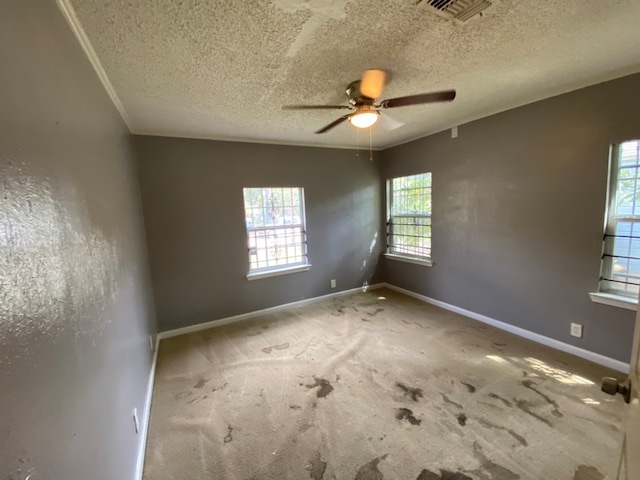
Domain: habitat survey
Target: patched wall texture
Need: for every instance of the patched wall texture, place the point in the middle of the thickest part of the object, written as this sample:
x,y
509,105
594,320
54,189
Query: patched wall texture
x,y
75,302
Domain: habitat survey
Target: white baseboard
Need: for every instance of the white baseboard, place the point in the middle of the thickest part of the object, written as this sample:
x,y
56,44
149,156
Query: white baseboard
x,y
146,416
245,316
521,332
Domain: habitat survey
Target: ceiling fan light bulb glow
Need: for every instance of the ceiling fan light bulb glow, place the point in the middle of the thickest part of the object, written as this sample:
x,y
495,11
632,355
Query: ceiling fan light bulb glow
x,y
364,119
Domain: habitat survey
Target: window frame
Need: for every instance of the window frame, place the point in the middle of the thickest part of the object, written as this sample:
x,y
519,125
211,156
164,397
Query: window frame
x,y
390,250
611,222
282,269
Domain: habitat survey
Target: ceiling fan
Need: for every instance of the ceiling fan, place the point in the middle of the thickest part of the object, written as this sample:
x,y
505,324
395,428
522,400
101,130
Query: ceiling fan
x,y
363,105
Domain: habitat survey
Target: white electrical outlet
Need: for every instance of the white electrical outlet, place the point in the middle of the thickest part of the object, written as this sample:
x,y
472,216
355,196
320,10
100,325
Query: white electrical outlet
x,y
454,132
333,283
136,423
576,330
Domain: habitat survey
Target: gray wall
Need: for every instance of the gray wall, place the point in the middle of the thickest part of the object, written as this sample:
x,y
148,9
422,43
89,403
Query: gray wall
x,y
75,303
194,216
518,210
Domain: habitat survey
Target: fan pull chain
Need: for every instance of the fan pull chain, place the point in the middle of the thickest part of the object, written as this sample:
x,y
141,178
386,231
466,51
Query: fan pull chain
x,y
357,143
370,146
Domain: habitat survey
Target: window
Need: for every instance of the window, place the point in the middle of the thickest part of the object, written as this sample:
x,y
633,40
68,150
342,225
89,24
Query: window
x,y
275,230
409,218
620,272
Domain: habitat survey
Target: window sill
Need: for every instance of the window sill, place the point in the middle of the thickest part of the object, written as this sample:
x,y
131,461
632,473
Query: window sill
x,y
614,300
417,261
278,271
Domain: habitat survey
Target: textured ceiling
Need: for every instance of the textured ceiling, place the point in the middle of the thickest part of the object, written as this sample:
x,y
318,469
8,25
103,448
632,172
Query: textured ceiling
x,y
223,69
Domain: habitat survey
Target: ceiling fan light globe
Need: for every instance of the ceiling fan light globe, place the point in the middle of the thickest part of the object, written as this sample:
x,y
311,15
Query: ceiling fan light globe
x,y
364,119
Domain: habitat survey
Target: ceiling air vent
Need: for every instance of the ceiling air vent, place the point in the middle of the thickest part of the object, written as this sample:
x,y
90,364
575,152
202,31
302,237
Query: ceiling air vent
x,y
461,10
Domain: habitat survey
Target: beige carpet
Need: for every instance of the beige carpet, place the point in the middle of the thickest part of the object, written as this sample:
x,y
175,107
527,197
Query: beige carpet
x,y
374,386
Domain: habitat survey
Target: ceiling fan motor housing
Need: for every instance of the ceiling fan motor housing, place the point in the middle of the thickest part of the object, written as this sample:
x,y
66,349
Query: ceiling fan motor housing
x,y
355,95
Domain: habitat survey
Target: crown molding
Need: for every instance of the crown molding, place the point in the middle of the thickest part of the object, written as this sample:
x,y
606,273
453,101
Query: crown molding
x,y
74,23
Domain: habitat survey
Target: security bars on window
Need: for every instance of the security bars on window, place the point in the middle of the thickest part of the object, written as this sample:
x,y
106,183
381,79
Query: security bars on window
x,y
621,250
409,216
275,227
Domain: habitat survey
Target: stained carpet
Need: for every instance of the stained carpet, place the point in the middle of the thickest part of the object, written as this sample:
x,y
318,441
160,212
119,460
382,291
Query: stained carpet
x,y
374,386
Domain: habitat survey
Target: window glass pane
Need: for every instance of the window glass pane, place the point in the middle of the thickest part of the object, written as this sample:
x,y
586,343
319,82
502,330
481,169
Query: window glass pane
x,y
625,270
629,153
626,197
275,233
634,247
409,224
621,241
627,188
411,195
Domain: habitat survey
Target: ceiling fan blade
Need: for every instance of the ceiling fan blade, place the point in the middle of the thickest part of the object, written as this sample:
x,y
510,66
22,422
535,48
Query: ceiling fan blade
x,y
315,107
372,83
434,97
326,128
